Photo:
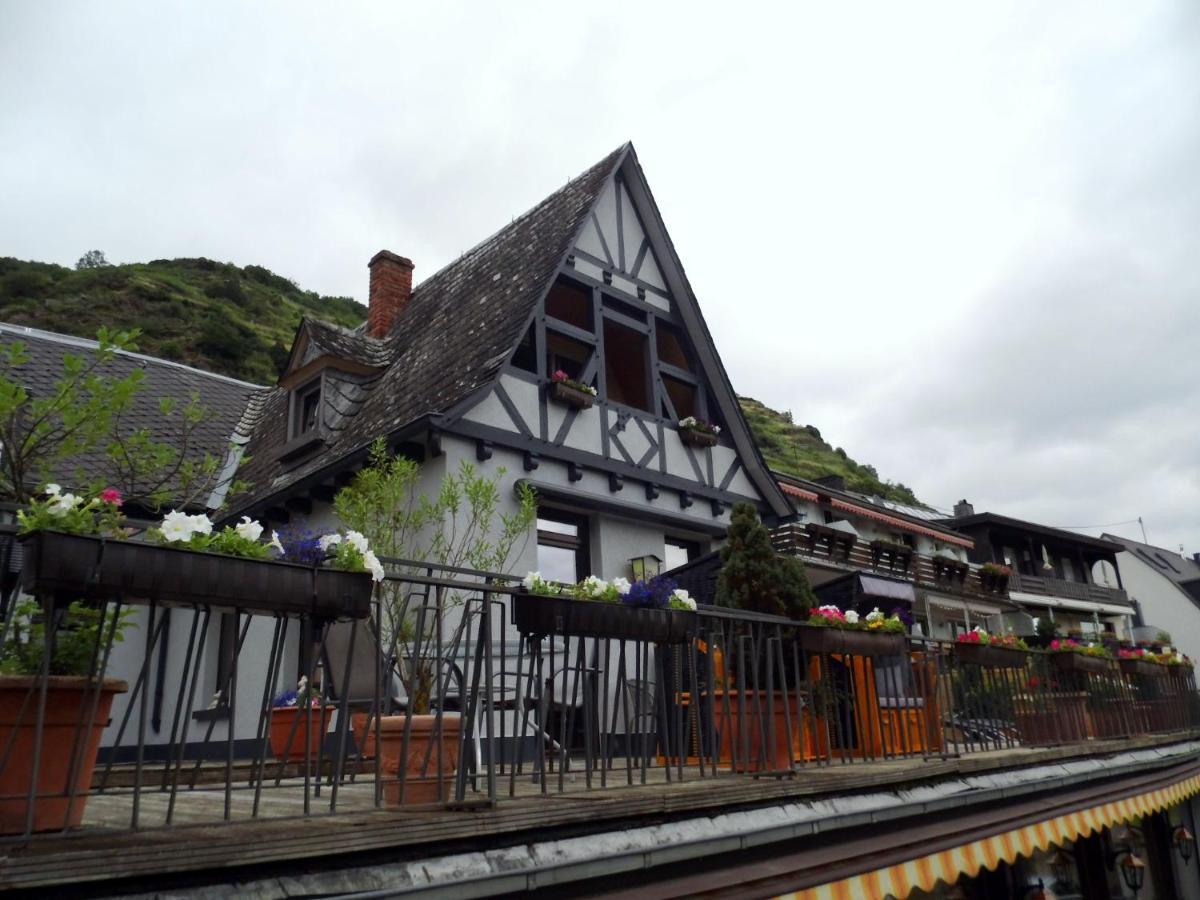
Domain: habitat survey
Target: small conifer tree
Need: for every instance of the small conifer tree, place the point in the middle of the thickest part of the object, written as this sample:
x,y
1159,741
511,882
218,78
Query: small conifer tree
x,y
754,577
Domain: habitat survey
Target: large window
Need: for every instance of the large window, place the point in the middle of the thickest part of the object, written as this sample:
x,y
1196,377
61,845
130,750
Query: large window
x,y
562,547
625,366
571,303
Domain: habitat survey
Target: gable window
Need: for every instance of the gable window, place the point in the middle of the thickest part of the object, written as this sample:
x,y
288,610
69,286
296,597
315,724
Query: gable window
x,y
526,354
306,410
566,354
625,365
682,396
670,346
571,303
562,546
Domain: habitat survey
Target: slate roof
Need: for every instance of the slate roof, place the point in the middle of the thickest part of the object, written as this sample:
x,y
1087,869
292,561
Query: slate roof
x,y
449,340
1183,571
326,339
225,398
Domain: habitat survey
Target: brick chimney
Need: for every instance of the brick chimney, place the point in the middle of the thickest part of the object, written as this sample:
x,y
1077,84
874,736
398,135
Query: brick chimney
x,y
963,508
391,286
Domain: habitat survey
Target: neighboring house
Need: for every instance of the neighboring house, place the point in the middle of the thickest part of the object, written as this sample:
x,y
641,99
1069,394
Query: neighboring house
x,y
1055,573
1164,588
860,553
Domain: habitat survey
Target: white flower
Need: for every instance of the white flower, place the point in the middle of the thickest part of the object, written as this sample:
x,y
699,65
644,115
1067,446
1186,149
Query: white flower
x,y
63,504
176,527
716,429
829,608
200,524
622,585
276,543
593,586
52,490
358,541
329,540
851,617
875,615
374,566
681,596
688,422
530,580
249,529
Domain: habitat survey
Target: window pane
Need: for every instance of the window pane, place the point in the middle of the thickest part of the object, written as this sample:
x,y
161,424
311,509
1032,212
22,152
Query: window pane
x,y
525,356
570,302
566,528
625,365
670,347
558,563
566,354
683,397
677,553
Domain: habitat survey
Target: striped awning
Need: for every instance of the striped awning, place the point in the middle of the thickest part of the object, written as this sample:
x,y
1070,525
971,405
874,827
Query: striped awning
x,y
925,872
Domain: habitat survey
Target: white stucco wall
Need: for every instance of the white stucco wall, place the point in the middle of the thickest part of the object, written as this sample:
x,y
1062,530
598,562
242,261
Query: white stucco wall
x,y
1163,604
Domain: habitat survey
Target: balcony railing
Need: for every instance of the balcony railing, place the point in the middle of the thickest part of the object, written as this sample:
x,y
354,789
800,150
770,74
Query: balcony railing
x,y
528,696
1058,587
822,545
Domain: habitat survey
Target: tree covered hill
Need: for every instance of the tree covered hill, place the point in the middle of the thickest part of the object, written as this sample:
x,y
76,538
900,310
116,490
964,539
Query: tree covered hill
x,y
212,315
240,321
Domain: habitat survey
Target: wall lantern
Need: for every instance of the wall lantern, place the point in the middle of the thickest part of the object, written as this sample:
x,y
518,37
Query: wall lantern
x,y
1184,841
1133,870
645,567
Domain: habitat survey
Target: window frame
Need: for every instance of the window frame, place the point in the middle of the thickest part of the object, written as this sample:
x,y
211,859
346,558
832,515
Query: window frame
x,y
581,543
295,406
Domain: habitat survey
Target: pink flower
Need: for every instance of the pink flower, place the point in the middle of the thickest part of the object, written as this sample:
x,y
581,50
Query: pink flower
x,y
1055,644
559,375
111,495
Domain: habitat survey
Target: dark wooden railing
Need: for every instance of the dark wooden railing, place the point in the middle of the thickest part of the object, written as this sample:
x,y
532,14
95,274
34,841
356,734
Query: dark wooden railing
x,y
1049,586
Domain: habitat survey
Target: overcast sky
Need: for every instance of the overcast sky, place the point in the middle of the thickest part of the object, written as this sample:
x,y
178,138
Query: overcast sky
x,y
962,241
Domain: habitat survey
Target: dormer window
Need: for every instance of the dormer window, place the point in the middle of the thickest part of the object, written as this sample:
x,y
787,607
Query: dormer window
x,y
304,414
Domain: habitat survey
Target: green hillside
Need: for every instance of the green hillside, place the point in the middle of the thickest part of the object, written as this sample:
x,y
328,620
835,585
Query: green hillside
x,y
240,322
212,315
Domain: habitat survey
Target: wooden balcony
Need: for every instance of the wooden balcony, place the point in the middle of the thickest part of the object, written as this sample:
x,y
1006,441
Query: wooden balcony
x,y
1072,590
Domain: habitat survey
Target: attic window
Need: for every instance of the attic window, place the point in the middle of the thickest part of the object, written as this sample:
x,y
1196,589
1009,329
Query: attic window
x,y
625,366
306,409
571,303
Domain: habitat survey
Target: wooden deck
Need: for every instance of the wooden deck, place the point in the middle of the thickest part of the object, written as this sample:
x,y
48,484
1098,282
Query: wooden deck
x,y
201,841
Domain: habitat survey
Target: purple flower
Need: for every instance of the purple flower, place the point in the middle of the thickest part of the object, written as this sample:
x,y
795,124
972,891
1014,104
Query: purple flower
x,y
654,593
904,616
301,545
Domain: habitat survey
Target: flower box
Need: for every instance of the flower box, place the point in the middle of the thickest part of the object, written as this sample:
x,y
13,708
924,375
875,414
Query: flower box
x,y
1143,668
994,582
697,438
538,614
134,571
824,639
1068,661
990,656
572,397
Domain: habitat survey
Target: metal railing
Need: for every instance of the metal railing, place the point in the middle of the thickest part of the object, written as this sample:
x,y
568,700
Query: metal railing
x,y
525,696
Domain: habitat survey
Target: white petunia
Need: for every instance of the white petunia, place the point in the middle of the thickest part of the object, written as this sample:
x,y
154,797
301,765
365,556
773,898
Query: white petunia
x,y
622,585
276,543
63,504
200,524
358,541
875,615
851,617
176,527
249,529
329,540
374,566
52,490
530,580
682,596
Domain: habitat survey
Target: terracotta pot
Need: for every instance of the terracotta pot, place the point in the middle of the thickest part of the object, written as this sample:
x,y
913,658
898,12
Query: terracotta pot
x,y
991,657
283,720
68,702
364,734
413,778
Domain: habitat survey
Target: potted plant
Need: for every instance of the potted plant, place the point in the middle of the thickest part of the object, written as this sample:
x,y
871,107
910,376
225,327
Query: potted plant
x,y
1070,655
948,568
78,546
698,433
299,721
653,610
460,526
994,577
573,393
1140,661
78,699
997,651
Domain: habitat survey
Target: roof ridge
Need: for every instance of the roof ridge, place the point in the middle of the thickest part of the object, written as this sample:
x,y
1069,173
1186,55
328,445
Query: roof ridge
x,y
89,344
